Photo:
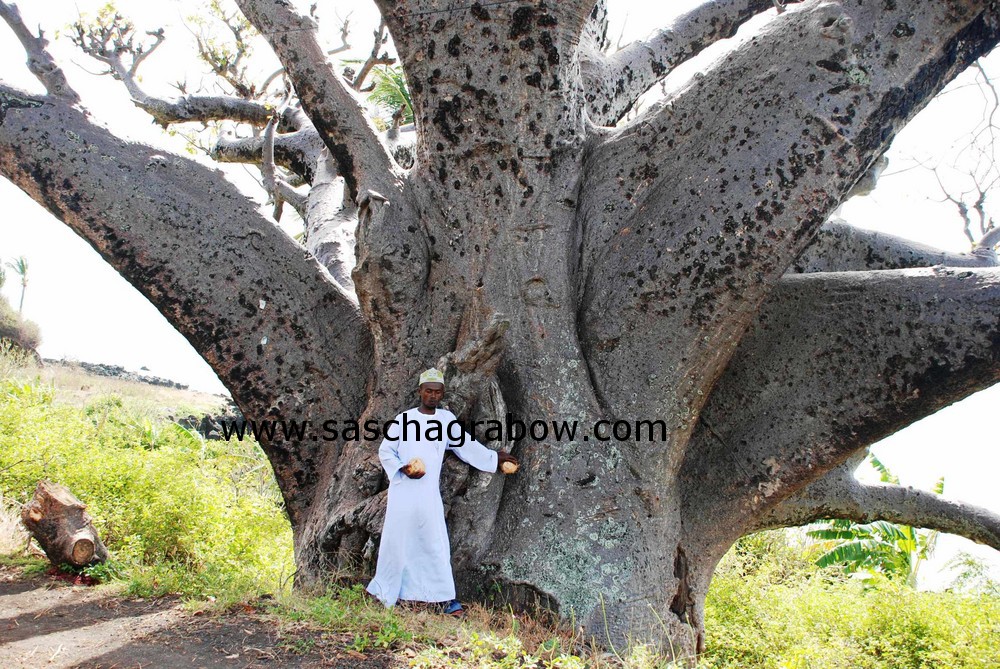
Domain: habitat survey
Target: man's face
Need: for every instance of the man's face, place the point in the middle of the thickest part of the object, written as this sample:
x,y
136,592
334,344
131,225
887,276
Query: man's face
x,y
431,394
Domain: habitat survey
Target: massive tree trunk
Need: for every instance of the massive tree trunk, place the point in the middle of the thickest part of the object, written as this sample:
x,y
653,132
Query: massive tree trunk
x,y
567,269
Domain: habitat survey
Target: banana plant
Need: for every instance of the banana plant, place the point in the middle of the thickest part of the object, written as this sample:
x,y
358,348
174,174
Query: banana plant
x,y
895,550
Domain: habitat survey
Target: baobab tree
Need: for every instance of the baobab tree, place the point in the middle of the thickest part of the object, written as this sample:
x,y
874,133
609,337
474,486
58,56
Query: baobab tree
x,y
561,264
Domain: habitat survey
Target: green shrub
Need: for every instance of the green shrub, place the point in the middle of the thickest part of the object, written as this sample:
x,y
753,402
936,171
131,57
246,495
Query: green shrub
x,y
769,607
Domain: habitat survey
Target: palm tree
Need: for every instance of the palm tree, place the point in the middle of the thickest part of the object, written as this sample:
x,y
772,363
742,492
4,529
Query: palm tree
x,y
391,94
879,547
20,266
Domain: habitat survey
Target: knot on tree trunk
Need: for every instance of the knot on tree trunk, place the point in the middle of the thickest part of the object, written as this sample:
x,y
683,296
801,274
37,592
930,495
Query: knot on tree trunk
x,y
468,370
60,524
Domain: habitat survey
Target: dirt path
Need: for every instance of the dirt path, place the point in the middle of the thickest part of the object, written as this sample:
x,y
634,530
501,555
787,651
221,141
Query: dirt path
x,y
46,624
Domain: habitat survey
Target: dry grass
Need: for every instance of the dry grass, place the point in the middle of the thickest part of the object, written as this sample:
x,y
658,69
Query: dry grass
x,y
77,387
533,631
13,537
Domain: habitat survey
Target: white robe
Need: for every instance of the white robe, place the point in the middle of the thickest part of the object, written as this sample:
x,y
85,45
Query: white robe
x,y
414,558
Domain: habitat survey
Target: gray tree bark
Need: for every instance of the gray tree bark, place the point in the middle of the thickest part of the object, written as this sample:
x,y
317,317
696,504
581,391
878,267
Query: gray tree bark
x,y
568,270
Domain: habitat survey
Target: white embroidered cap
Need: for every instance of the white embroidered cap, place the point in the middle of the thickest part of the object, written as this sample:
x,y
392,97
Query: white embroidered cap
x,y
431,375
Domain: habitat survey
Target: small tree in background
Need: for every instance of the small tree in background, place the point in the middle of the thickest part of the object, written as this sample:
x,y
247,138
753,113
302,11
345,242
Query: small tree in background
x,y
20,267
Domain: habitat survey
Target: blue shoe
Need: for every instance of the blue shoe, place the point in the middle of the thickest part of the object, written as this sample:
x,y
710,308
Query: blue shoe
x,y
453,608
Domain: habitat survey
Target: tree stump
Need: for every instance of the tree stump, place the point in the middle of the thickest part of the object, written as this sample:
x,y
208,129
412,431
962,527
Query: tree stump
x,y
58,520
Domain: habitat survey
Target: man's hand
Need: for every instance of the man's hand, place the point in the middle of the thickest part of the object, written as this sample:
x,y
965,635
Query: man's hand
x,y
409,471
414,469
506,462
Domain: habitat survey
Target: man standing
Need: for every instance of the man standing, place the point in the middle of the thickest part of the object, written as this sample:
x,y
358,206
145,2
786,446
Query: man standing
x,y
414,558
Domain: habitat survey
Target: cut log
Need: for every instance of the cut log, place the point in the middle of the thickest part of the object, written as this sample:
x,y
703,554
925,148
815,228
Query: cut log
x,y
60,524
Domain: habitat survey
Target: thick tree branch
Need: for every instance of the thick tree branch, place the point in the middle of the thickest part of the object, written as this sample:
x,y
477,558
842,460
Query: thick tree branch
x,y
331,221
771,142
834,363
361,159
616,81
296,151
345,45
594,40
989,240
40,62
199,108
842,247
840,495
186,239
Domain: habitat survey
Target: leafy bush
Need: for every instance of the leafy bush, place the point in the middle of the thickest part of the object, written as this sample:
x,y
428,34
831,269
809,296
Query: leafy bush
x,y
770,607
178,514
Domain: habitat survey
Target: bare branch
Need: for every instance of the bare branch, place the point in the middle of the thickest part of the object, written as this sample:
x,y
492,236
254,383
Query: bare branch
x,y
227,61
381,37
337,115
295,151
40,62
112,41
834,363
615,82
137,208
963,209
144,53
840,495
277,188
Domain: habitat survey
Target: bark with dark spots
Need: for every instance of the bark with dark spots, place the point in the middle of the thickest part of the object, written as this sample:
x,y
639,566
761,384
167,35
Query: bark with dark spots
x,y
242,293
618,80
841,247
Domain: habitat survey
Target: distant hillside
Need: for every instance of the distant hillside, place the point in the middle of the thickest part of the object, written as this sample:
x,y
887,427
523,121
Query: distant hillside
x,y
15,329
80,382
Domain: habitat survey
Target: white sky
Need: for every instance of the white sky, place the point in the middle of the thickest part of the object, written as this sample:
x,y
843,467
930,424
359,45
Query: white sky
x,y
87,312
